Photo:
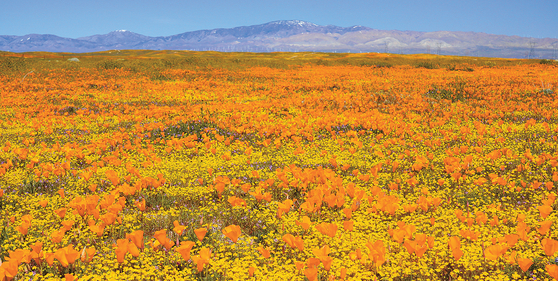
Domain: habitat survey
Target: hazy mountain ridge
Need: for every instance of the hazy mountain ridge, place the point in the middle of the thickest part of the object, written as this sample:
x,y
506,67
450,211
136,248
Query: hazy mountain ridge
x,y
295,35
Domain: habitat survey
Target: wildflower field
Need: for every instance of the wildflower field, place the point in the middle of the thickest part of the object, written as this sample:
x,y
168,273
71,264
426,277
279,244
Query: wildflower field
x,y
159,165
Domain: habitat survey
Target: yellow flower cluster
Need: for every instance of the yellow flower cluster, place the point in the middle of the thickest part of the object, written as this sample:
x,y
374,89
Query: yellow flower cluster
x,y
311,172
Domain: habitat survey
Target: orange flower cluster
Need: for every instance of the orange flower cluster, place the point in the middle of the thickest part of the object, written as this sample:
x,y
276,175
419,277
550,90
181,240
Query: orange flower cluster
x,y
318,172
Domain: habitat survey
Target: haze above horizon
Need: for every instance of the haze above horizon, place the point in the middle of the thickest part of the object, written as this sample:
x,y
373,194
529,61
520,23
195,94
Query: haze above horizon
x,y
80,18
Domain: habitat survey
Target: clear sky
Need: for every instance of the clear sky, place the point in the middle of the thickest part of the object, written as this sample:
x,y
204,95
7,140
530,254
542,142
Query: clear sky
x,y
78,18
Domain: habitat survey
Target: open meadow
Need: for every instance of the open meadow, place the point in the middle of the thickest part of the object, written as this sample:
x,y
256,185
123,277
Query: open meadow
x,y
177,165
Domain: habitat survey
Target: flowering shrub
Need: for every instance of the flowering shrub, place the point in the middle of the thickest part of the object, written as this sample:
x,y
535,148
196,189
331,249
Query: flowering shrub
x,y
337,172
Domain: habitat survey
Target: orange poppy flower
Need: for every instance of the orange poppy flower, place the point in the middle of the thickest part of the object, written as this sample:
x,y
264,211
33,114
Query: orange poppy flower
x,y
481,218
178,229
141,205
265,252
321,252
61,212
495,251
108,218
420,238
327,261
133,250
136,237
43,203
343,273
49,257
545,227
294,242
550,246
455,247
185,248
251,271
24,227
544,211
284,207
511,239
299,265
311,273
494,221
235,201
512,257
457,253
410,246
97,229
66,255
203,258
420,249
232,232
289,239
259,195
355,255
37,247
348,225
304,223
552,270
87,254
313,262
86,175
299,243
431,242
160,235
329,229
398,235
113,177
200,233
20,255
522,229
377,252
454,242
67,225
57,236
246,187
524,264
121,249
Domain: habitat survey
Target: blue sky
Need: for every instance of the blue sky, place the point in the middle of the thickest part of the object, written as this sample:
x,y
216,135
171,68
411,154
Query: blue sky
x,y
78,18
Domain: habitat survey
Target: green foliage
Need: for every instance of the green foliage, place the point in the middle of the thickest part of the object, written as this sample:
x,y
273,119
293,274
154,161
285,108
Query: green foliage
x,y
3,238
110,64
161,77
372,63
546,91
206,276
10,65
427,65
154,63
69,110
454,91
548,62
454,67
160,200
33,187
445,94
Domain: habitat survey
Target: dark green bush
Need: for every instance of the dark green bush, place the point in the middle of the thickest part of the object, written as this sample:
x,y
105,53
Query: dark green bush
x,y
427,65
10,65
110,64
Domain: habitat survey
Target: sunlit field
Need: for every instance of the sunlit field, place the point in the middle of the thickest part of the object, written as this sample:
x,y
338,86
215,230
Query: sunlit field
x,y
163,165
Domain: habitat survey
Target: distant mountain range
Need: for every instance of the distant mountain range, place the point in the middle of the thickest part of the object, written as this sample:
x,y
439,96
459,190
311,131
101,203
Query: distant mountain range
x,y
296,35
